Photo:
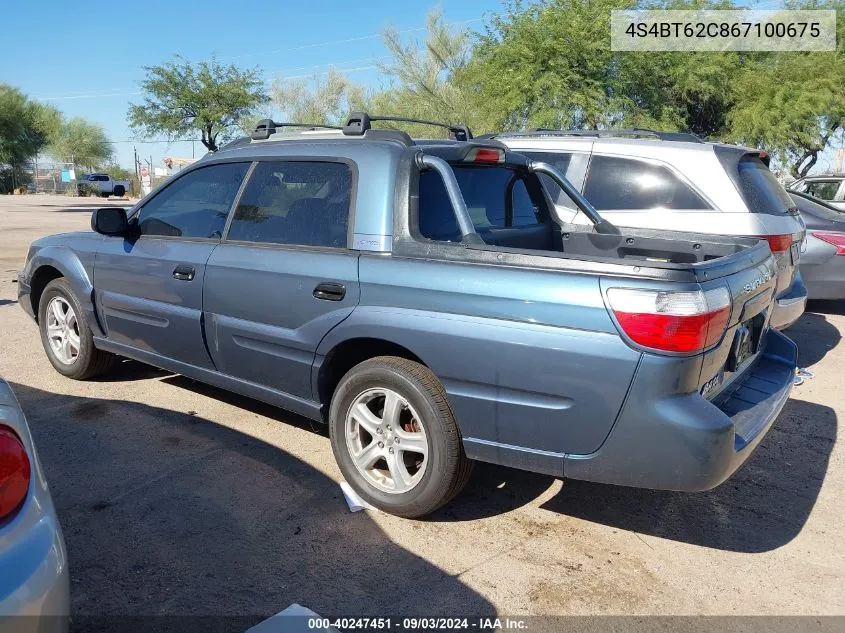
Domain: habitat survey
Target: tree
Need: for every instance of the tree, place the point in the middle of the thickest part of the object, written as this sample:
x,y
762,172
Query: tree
x,y
420,85
422,77
25,127
326,100
793,104
182,97
82,143
550,64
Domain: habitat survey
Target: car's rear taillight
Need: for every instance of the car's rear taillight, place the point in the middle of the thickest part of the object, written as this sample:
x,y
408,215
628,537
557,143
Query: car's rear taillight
x,y
777,243
686,321
832,237
14,472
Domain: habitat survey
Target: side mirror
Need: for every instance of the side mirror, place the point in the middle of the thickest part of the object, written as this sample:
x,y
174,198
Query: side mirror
x,y
110,221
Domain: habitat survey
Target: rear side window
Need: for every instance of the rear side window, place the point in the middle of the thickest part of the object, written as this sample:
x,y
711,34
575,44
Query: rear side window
x,y
496,198
760,189
615,183
295,202
194,205
823,189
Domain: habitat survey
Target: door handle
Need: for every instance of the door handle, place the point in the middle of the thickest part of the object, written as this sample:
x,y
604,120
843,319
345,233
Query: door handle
x,y
184,273
330,291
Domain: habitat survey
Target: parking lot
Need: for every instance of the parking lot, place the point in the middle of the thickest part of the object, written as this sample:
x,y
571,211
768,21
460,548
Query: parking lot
x,y
178,498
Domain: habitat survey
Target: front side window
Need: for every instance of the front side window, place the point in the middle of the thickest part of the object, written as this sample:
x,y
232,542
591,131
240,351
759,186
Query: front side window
x,y
195,205
295,202
615,183
823,189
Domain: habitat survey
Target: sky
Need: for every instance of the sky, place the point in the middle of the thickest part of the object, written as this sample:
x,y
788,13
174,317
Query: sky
x,y
87,59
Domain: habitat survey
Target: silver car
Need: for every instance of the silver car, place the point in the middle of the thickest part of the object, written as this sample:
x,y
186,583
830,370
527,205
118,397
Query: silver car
x,y
660,180
823,262
829,189
34,579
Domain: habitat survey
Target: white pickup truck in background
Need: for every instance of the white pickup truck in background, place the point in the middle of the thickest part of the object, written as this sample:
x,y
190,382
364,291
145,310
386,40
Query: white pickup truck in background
x,y
102,184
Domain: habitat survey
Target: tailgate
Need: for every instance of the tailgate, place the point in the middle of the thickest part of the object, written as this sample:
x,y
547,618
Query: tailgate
x,y
752,292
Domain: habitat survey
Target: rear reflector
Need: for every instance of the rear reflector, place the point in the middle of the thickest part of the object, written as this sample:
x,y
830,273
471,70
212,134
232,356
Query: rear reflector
x,y
485,155
831,237
14,472
777,243
685,322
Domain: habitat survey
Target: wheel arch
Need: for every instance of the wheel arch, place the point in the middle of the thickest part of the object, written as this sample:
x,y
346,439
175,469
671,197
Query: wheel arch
x,y
344,355
58,262
42,276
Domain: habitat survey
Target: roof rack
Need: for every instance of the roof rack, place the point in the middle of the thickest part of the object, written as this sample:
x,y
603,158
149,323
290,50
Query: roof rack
x,y
357,123
266,127
685,137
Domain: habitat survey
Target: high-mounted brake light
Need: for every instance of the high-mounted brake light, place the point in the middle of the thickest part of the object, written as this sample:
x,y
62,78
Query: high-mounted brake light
x,y
832,237
485,155
684,321
777,243
14,472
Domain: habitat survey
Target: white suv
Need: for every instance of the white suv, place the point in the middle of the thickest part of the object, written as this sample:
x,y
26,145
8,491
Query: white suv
x,y
677,182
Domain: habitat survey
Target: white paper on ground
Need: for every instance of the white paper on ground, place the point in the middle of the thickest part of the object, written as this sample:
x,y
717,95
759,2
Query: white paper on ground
x,y
294,619
355,503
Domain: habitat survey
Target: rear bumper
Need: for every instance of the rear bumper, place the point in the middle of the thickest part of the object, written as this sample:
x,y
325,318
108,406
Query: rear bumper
x,y
790,305
685,442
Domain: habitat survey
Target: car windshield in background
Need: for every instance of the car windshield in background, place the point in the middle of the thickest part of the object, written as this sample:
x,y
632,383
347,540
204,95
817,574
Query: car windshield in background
x,y
823,189
760,188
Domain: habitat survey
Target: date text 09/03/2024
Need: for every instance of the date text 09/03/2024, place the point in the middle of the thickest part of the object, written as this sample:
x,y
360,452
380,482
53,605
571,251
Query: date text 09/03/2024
x,y
417,624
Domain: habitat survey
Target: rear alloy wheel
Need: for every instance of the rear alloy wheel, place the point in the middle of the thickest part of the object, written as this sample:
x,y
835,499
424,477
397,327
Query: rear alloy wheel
x,y
387,441
395,437
66,337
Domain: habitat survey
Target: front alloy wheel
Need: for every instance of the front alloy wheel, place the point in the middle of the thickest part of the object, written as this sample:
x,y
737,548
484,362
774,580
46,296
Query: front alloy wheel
x,y
63,330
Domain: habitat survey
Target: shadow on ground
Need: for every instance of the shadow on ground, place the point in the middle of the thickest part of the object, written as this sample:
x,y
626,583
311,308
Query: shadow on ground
x,y
168,513
827,306
7,302
762,507
815,336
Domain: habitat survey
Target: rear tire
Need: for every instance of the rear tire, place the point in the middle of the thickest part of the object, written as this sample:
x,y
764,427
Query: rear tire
x,y
65,334
119,191
418,460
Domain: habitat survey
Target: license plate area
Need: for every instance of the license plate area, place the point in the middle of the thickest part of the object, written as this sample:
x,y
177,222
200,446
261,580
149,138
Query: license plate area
x,y
746,341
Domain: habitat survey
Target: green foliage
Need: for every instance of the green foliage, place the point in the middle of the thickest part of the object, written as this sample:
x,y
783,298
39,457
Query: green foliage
x,y
326,100
793,103
25,125
81,142
182,97
117,172
422,78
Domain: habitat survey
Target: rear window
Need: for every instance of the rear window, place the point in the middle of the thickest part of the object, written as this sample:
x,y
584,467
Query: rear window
x,y
496,198
761,190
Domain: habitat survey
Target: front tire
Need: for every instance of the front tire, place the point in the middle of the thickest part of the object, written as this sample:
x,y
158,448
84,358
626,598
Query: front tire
x,y
395,437
65,334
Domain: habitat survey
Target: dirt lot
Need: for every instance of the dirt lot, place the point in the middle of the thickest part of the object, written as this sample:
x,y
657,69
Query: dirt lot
x,y
177,498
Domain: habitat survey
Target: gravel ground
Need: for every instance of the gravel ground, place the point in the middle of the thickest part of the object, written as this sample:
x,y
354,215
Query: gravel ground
x,y
178,498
